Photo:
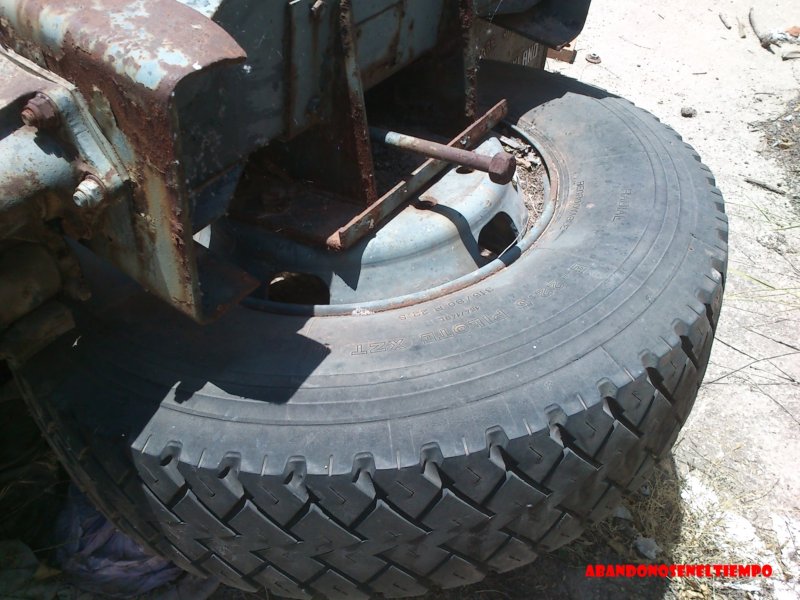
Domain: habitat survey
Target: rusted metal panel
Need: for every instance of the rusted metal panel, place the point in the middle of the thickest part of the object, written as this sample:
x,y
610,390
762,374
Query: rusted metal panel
x,y
309,64
152,44
336,156
137,55
392,34
496,43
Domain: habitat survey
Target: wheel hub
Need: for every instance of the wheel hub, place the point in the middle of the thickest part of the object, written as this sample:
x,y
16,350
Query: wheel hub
x,y
459,225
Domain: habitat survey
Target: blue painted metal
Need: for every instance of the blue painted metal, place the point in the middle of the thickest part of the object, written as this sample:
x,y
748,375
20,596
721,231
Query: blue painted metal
x,y
33,173
162,102
40,170
137,64
288,81
429,243
528,236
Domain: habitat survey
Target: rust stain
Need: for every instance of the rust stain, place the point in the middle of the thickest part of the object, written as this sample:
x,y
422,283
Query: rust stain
x,y
356,111
92,46
466,11
384,66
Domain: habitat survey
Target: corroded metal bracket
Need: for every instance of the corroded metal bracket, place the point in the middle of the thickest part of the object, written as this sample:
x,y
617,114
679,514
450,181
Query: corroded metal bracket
x,y
133,83
159,112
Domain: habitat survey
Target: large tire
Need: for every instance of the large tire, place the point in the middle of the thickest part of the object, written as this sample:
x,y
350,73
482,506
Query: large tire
x,y
395,452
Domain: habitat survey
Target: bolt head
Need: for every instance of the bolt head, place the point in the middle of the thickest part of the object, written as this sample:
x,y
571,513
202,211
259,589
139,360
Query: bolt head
x,y
89,193
40,112
502,168
317,8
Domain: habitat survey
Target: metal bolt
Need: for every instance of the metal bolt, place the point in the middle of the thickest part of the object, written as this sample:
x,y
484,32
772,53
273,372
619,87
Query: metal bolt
x,y
593,58
317,8
89,193
40,112
500,167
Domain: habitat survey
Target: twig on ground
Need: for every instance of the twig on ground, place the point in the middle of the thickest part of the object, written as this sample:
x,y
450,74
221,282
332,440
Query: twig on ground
x,y
781,406
724,21
754,361
766,186
777,341
773,38
764,38
635,44
740,25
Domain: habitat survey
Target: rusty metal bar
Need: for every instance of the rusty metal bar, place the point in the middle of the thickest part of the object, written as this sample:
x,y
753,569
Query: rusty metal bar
x,y
367,221
500,167
567,54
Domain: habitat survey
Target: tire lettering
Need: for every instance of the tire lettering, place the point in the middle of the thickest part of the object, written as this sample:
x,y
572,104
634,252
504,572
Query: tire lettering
x,y
623,204
444,333
574,205
453,316
552,287
384,346
463,301
413,315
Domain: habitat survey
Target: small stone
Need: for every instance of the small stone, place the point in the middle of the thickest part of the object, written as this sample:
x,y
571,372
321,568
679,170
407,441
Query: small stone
x,y
647,547
622,512
688,112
